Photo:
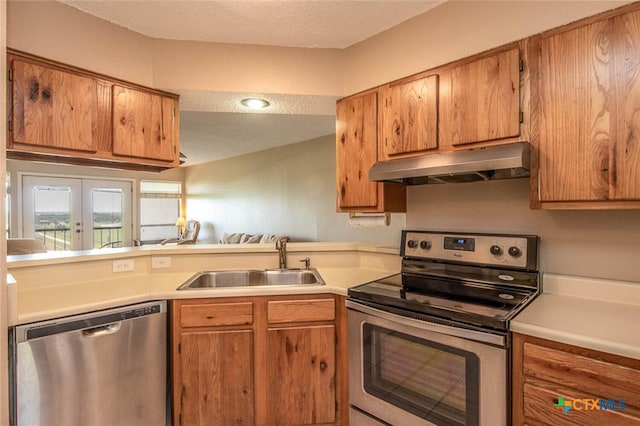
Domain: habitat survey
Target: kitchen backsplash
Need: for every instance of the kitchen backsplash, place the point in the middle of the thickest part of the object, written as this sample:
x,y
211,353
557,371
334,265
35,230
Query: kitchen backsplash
x,y
600,244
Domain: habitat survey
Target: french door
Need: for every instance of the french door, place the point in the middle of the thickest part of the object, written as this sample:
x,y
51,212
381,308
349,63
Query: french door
x,y
76,214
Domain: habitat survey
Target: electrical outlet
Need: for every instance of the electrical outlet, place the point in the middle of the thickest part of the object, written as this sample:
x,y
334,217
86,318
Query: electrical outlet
x,y
123,265
160,262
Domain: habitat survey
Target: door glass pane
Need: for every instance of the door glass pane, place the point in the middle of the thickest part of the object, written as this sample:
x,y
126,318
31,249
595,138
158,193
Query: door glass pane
x,y
52,216
430,380
106,217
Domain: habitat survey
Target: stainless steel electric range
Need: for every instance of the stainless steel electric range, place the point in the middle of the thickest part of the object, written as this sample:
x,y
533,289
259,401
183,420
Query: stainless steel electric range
x,y
430,346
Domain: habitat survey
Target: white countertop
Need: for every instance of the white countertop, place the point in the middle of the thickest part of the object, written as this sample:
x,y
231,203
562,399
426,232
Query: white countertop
x,y
65,285
596,314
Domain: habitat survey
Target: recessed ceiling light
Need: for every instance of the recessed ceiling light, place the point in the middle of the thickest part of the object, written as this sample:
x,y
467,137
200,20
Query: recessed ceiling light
x,y
255,103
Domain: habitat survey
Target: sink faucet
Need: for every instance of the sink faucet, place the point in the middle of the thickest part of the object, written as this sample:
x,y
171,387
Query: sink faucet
x,y
281,246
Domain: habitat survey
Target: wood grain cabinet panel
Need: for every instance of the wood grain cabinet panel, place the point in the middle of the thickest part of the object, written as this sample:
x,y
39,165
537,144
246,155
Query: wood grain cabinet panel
x,y
589,89
625,184
356,151
409,116
53,108
287,311
302,374
549,375
217,378
230,366
484,99
63,114
216,314
139,120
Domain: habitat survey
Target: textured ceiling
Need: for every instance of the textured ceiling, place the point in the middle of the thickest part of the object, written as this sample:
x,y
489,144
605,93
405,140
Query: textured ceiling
x,y
213,126
301,23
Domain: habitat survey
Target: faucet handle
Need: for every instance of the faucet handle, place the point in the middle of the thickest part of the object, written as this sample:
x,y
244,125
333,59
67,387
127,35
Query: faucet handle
x,y
306,261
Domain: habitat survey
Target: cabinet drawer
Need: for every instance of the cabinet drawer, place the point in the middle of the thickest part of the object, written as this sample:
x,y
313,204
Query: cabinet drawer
x,y
599,379
284,311
541,400
213,314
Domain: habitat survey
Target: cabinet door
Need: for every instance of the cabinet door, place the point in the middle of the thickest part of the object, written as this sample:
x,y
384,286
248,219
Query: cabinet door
x,y
302,375
139,119
575,107
410,116
217,378
53,108
484,99
356,151
625,184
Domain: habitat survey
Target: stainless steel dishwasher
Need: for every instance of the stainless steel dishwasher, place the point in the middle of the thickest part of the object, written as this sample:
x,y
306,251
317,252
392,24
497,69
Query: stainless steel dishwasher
x,y
103,368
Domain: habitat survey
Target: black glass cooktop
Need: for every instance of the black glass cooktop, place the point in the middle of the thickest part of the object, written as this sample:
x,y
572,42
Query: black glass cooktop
x,y
475,302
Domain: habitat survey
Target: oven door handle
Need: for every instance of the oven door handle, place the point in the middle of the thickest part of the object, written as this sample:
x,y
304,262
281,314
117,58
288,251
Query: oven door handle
x,y
477,336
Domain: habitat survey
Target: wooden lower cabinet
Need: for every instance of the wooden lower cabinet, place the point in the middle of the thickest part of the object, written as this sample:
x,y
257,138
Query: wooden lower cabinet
x,y
217,377
277,360
559,384
302,375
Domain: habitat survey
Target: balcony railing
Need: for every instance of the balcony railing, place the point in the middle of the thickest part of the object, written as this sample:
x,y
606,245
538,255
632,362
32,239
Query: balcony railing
x,y
59,238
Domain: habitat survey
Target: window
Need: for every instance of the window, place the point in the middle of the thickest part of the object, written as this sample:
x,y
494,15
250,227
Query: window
x,y
7,205
159,210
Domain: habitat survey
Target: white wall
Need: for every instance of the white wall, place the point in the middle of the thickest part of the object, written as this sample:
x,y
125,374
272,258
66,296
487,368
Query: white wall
x,y
454,30
287,190
56,31
602,244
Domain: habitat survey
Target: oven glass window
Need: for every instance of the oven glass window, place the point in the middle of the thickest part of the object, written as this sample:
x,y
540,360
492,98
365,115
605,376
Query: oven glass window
x,y
435,382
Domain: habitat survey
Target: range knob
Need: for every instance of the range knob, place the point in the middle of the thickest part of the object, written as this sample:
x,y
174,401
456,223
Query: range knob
x,y
515,251
495,250
411,244
425,245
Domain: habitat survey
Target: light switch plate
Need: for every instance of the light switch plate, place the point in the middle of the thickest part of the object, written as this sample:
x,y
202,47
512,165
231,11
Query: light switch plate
x,y
123,265
160,262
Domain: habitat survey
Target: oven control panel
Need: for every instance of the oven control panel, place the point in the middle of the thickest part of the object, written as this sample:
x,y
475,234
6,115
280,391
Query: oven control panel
x,y
515,251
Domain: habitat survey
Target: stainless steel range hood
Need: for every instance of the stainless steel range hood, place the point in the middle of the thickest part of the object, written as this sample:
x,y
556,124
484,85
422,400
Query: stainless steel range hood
x,y
493,162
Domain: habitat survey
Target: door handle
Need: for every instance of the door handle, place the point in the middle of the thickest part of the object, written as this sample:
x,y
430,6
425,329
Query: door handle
x,y
102,330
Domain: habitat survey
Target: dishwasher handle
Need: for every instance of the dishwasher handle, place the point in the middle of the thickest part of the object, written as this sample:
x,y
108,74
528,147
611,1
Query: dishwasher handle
x,y
102,330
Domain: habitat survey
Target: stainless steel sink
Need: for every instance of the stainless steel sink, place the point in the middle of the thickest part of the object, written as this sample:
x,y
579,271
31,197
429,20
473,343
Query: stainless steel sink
x,y
246,278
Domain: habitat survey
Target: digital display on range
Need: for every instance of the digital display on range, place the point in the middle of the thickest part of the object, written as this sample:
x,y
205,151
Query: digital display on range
x,y
460,243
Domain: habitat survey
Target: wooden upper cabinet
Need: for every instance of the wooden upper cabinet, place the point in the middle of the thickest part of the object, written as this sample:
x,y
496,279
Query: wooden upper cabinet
x,y
63,114
53,108
143,124
480,100
409,116
589,103
625,183
356,150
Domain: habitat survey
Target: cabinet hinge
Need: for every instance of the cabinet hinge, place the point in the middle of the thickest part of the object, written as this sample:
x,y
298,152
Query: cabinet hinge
x,y
521,117
179,348
521,64
10,72
10,125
